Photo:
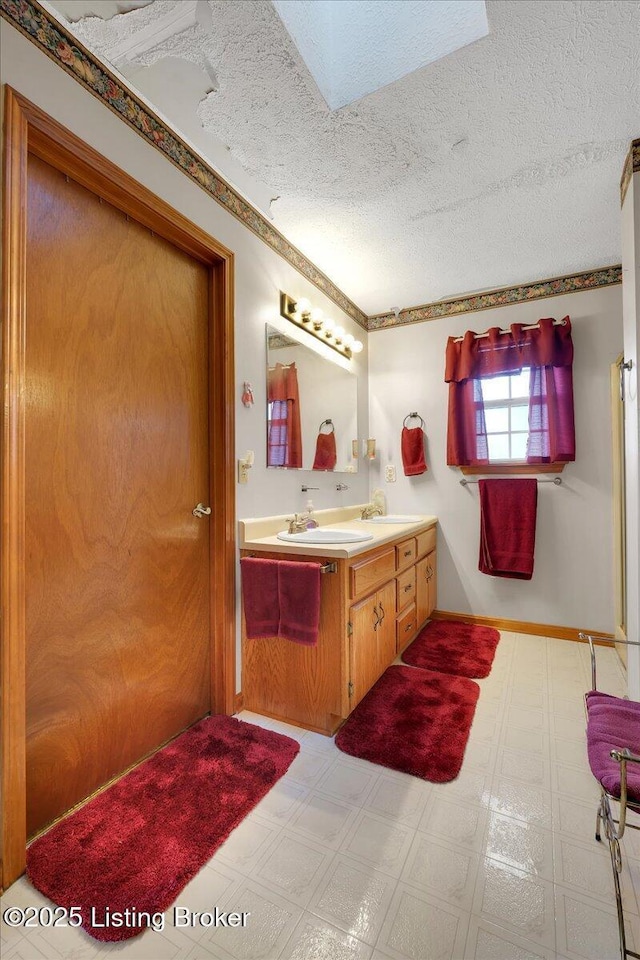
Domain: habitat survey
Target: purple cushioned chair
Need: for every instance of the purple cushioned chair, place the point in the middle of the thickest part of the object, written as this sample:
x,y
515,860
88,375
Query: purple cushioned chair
x,y
613,747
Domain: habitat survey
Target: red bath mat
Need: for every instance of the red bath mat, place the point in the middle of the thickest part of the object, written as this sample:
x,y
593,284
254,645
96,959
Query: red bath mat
x,y
449,646
414,721
132,849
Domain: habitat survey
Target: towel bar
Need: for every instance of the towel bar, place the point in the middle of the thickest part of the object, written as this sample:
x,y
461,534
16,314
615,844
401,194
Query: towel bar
x,y
331,567
557,480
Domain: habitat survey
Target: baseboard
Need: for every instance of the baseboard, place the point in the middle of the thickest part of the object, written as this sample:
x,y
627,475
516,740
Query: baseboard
x,y
522,626
238,703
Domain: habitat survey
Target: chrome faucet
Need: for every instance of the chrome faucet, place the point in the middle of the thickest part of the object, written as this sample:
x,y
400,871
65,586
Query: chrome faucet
x,y
370,511
301,522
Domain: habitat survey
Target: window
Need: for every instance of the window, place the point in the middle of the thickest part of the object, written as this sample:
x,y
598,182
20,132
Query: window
x,y
506,415
511,396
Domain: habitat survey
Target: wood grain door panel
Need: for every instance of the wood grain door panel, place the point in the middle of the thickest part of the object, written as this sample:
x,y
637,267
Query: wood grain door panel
x,y
117,568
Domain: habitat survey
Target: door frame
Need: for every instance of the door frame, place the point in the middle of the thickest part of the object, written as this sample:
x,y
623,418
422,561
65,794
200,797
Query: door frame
x,y
27,129
619,511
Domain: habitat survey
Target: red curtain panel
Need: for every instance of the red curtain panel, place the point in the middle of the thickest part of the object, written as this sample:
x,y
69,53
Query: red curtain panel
x,y
284,438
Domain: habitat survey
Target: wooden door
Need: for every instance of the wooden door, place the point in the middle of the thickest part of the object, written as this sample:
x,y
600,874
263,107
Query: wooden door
x,y
116,428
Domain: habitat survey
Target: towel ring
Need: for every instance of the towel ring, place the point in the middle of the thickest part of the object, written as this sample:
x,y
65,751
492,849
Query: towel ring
x,y
412,416
328,423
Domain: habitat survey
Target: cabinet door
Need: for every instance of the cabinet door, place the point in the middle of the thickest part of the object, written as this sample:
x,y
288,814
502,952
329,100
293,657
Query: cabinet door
x,y
365,617
432,581
422,590
386,599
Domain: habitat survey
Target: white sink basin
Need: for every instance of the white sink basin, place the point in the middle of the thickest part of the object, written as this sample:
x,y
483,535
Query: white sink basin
x,y
394,518
325,535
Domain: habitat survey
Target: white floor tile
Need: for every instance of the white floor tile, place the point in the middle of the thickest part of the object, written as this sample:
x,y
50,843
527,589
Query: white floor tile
x,y
587,929
353,898
516,900
377,842
487,941
442,870
524,846
345,780
418,926
402,799
315,939
269,923
460,823
293,867
324,820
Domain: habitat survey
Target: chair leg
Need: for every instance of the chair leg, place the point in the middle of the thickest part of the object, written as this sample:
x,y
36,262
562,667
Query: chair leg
x,y
599,821
614,851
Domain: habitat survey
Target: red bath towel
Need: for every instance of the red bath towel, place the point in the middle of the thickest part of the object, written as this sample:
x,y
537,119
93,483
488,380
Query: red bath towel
x,y
260,597
413,451
299,596
326,456
508,527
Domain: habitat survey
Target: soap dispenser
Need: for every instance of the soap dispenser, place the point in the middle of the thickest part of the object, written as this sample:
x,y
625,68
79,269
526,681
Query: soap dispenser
x,y
310,521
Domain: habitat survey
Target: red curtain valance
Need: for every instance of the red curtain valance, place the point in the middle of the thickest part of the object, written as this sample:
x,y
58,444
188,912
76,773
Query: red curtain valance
x,y
547,352
500,353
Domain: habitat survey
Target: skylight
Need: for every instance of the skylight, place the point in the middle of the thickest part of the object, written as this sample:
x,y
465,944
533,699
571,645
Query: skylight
x,y
353,47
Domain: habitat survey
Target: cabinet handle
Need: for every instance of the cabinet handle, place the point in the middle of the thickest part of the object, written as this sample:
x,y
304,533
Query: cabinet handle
x,y
409,626
407,588
377,620
407,553
383,614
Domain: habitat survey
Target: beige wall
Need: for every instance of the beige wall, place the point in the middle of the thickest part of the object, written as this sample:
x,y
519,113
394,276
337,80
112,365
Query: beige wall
x,y
572,582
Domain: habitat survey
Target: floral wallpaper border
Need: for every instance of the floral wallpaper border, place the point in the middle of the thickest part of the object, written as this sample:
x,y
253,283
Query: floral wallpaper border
x,y
553,287
631,166
44,31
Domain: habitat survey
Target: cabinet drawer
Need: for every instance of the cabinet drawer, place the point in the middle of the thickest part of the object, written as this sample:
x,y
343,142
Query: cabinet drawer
x,y
368,574
426,541
405,588
406,553
406,626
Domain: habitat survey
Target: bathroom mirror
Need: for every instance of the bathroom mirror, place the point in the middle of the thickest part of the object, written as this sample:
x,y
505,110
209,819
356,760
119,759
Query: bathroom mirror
x,y
326,396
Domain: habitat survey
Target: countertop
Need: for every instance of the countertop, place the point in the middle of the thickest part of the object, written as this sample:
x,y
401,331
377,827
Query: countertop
x,y
259,533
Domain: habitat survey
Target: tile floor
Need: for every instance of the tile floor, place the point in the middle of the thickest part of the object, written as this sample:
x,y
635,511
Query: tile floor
x,y
344,859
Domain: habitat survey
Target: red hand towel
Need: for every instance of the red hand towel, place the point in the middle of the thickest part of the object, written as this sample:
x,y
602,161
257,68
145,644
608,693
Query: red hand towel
x,y
508,527
326,455
299,595
260,597
413,451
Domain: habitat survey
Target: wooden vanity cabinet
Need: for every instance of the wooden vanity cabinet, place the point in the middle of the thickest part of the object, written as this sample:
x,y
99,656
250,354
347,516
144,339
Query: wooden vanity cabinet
x,y
372,607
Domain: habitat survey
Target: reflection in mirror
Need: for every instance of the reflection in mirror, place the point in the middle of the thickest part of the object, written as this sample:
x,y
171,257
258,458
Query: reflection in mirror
x,y
312,408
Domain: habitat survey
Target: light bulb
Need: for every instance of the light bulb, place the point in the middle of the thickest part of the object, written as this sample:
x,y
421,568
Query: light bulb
x,y
303,306
338,334
348,339
356,347
329,325
317,314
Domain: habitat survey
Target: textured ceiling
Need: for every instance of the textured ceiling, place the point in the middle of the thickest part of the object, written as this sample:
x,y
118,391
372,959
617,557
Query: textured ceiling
x,y
494,166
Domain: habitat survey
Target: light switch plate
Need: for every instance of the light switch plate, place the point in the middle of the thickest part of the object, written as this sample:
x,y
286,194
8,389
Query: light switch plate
x,y
390,473
243,471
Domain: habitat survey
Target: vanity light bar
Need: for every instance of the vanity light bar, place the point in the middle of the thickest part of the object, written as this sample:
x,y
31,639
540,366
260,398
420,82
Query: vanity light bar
x,y
320,327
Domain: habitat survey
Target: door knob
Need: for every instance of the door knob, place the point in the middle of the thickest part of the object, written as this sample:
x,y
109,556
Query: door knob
x,y
201,511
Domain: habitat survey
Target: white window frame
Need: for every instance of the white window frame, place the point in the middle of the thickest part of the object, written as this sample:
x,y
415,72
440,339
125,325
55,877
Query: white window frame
x,y
506,403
